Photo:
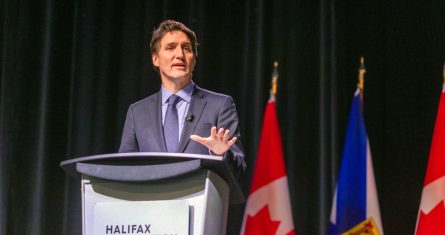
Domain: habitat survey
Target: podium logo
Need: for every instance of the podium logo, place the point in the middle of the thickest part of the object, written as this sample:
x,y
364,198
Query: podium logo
x,y
128,229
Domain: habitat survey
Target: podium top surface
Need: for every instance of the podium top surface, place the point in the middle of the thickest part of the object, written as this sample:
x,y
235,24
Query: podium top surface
x,y
150,166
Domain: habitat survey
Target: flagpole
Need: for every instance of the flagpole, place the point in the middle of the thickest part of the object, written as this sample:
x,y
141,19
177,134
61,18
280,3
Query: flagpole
x,y
361,77
361,74
273,90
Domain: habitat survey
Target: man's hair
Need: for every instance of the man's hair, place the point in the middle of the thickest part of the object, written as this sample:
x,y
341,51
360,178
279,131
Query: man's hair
x,y
170,26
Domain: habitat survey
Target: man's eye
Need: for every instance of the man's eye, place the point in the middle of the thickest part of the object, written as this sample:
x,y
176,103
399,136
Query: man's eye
x,y
188,49
169,48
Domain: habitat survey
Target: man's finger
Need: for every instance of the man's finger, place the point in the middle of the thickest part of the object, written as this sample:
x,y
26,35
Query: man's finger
x,y
233,140
226,135
213,132
199,139
220,133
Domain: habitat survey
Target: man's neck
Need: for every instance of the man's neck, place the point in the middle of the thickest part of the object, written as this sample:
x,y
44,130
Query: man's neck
x,y
175,86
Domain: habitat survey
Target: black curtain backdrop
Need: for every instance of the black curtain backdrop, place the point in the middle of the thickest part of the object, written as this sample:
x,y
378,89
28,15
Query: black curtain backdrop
x,y
69,70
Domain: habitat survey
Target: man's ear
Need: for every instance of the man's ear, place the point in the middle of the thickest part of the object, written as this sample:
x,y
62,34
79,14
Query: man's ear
x,y
155,59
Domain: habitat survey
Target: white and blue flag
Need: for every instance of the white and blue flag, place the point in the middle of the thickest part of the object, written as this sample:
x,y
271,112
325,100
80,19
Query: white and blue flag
x,y
355,199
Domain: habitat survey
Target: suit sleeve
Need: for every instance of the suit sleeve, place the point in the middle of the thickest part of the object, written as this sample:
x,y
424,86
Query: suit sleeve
x,y
129,141
228,119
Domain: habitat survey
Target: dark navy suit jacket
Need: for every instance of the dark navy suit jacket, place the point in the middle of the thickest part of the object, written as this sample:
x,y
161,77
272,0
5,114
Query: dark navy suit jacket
x,y
143,130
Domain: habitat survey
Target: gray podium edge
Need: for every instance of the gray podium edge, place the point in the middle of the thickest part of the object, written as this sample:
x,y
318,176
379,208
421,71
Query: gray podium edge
x,y
149,166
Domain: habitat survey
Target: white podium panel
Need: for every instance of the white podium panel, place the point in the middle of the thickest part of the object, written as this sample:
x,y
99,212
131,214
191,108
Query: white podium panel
x,y
196,203
153,217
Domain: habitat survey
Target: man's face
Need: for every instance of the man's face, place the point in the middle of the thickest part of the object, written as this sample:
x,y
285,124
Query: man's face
x,y
175,59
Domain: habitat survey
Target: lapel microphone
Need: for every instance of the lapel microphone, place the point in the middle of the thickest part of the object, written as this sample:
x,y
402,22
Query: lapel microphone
x,y
189,118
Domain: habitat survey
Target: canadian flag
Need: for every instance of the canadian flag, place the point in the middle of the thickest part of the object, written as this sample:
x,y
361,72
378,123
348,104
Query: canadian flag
x,y
431,214
268,208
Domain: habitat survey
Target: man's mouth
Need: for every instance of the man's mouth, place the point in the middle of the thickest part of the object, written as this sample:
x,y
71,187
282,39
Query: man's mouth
x,y
179,65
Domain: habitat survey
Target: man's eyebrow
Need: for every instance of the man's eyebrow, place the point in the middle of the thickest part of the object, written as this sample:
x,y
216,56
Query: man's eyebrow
x,y
171,44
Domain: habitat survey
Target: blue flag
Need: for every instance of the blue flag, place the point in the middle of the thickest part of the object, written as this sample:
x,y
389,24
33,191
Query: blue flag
x,y
355,198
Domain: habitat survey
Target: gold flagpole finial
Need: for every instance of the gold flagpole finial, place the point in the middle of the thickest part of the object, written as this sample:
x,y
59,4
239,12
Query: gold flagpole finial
x,y
361,75
273,90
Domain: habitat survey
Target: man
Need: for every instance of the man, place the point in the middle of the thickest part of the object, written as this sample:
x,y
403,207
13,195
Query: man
x,y
180,116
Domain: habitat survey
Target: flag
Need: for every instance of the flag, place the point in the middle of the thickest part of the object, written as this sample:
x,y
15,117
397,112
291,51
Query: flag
x,y
431,214
367,227
355,199
268,208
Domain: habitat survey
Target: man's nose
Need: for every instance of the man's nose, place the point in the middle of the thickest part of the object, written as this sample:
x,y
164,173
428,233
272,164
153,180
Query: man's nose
x,y
179,53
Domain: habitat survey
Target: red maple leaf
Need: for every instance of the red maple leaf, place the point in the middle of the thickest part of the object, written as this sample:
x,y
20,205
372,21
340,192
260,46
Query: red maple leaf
x,y
291,232
432,223
261,223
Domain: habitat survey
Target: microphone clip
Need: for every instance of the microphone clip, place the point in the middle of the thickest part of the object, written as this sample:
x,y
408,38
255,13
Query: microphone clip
x,y
189,118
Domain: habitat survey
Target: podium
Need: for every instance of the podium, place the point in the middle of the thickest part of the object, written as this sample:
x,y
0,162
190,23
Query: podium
x,y
154,193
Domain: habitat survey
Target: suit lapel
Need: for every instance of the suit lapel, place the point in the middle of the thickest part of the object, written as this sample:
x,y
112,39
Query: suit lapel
x,y
156,124
196,108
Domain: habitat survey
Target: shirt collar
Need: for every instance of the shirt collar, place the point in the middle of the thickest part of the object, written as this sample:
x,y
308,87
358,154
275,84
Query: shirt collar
x,y
185,93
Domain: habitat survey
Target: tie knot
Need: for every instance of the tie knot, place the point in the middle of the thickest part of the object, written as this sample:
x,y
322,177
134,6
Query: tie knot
x,y
173,99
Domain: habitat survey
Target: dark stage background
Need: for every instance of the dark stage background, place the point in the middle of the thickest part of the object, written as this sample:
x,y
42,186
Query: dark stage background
x,y
69,70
